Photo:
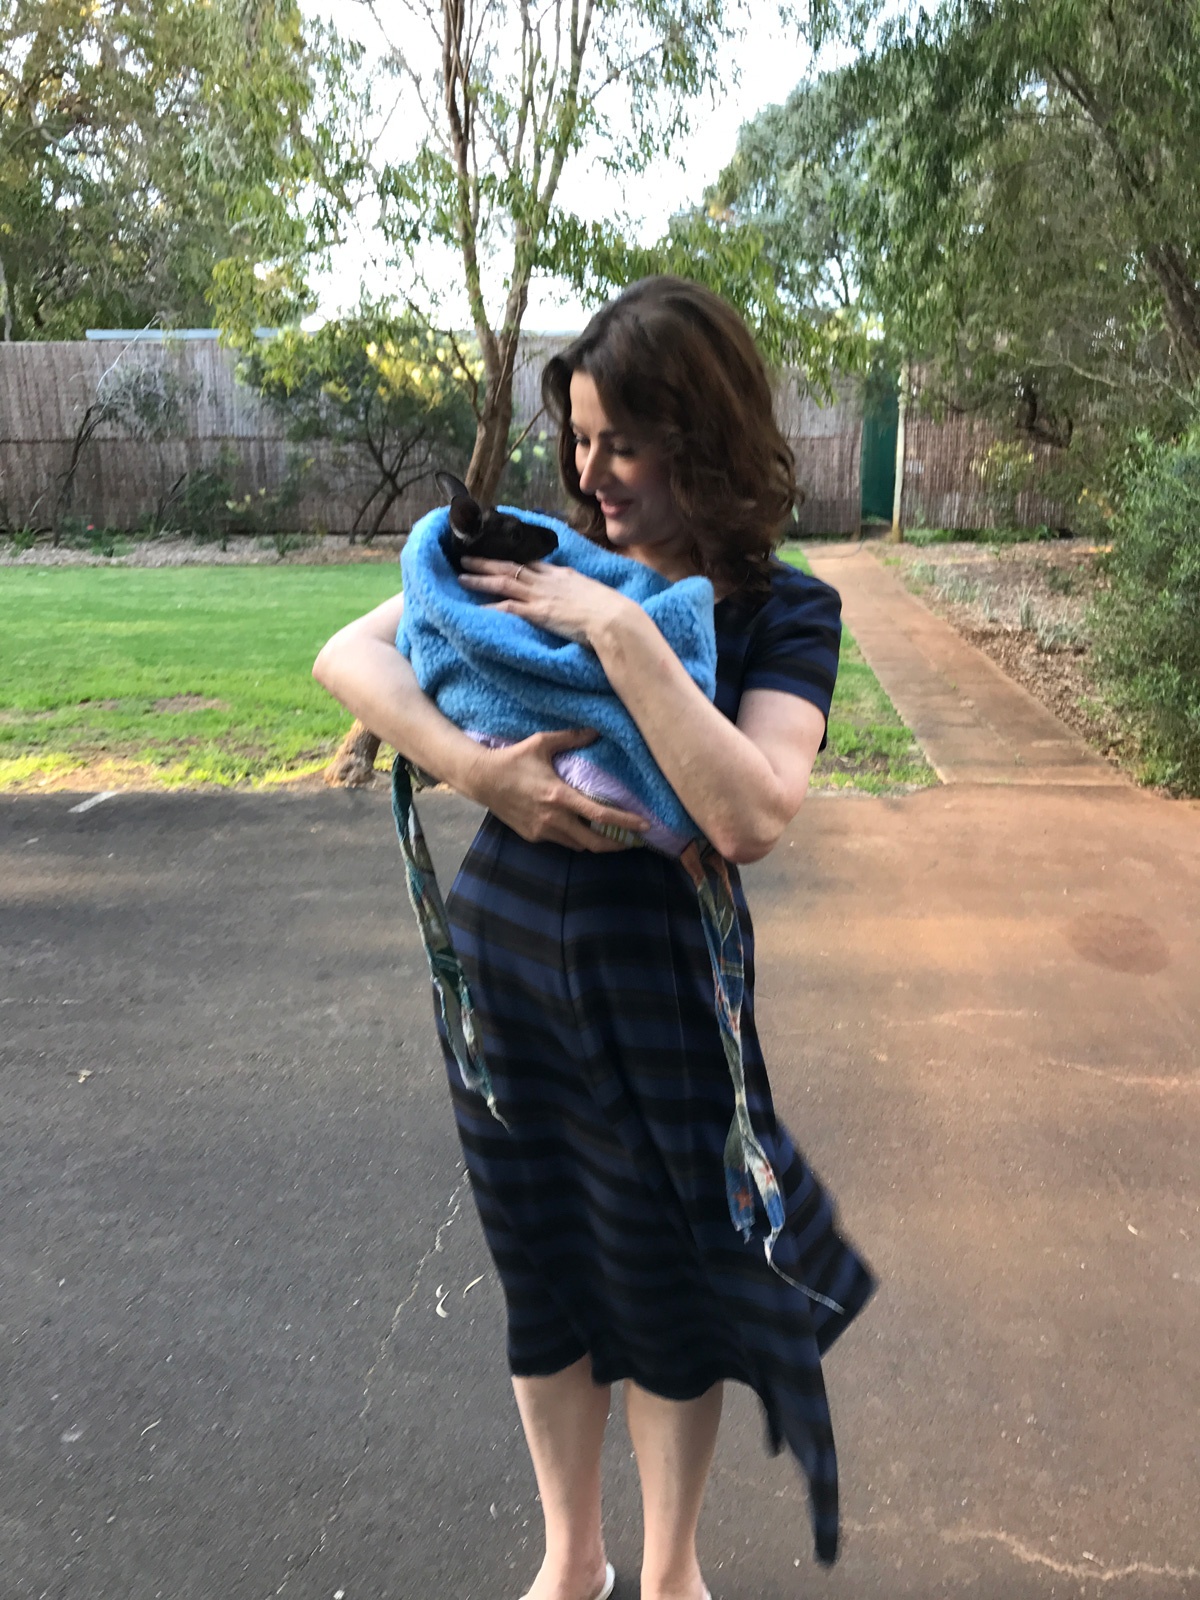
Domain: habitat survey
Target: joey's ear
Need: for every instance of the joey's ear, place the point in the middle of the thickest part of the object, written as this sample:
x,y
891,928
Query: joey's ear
x,y
466,519
453,488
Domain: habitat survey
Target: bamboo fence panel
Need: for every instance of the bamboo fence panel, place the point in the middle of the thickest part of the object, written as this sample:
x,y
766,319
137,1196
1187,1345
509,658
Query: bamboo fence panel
x,y
45,390
826,440
950,478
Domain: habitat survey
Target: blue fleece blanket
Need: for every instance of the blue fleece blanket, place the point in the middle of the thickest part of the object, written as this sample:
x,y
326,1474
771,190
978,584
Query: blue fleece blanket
x,y
497,675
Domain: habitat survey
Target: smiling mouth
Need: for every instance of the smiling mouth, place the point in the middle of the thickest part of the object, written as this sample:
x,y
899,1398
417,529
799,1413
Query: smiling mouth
x,y
609,509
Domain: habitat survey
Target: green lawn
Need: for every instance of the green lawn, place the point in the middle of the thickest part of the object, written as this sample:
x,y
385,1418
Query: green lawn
x,y
95,665
171,677
869,747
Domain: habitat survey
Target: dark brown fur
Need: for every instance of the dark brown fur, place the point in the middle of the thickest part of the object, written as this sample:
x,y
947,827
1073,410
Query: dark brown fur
x,y
493,535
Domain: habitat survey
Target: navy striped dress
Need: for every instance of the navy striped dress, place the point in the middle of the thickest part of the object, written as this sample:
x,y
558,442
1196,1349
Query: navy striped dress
x,y
603,1201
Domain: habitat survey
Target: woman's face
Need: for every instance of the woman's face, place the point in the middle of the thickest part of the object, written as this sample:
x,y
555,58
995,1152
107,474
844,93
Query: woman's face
x,y
628,476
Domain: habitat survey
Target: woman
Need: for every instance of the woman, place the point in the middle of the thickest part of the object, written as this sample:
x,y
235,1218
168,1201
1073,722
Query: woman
x,y
603,1202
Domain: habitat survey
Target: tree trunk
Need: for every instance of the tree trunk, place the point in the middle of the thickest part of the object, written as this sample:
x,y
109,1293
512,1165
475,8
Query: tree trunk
x,y
490,455
353,764
901,454
1182,300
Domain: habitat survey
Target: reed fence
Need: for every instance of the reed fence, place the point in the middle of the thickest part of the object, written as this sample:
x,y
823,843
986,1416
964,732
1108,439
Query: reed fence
x,y
46,389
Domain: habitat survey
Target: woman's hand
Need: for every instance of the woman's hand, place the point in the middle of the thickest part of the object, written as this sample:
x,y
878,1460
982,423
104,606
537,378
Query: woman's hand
x,y
550,596
519,785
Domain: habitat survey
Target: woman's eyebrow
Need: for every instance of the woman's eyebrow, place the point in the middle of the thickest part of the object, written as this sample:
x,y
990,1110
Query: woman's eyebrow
x,y
600,433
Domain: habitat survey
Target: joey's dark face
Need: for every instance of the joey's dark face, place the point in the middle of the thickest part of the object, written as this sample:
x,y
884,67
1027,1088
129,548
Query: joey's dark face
x,y
504,537
491,535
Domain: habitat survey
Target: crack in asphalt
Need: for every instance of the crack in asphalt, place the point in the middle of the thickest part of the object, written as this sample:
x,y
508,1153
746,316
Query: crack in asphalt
x,y
454,1205
1090,1568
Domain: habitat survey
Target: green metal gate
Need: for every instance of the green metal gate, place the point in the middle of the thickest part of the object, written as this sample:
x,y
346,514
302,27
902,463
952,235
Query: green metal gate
x,y
881,420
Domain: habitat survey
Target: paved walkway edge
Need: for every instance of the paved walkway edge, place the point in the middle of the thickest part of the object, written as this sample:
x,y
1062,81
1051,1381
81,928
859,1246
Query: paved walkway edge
x,y
973,722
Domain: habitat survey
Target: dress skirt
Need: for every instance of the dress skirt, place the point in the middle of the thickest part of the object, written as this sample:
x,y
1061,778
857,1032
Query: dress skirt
x,y
603,1200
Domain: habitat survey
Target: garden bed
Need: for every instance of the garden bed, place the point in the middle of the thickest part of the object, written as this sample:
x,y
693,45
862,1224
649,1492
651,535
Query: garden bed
x,y
1025,605
295,550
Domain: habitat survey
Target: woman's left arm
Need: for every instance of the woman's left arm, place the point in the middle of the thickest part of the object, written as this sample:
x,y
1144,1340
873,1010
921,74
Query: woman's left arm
x,y
742,783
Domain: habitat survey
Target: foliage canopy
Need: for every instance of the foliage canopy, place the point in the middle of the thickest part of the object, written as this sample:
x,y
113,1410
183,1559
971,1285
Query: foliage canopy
x,y
1009,186
382,388
165,160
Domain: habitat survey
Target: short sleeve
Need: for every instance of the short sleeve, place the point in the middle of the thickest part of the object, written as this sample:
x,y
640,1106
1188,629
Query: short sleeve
x,y
795,640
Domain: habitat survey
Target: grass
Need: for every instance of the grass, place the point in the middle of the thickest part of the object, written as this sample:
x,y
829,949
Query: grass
x,y
181,676
869,746
171,677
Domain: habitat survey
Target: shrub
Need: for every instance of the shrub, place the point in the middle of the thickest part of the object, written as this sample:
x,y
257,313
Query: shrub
x,y
957,587
1146,626
386,390
203,507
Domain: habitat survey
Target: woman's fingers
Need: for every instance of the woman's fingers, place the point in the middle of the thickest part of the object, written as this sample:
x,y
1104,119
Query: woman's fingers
x,y
526,792
574,800
489,568
564,739
499,577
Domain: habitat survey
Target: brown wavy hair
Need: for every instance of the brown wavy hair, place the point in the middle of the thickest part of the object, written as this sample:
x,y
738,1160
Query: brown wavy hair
x,y
674,363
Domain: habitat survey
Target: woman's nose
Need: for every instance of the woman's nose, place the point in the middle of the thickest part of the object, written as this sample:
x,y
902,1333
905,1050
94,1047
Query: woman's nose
x,y
590,472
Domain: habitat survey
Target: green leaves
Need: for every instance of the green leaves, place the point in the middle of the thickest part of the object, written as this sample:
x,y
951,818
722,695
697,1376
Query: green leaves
x,y
385,389
727,256
1008,187
513,97
164,159
1147,625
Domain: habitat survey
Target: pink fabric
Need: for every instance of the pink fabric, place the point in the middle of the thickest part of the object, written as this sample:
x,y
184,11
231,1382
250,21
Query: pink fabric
x,y
573,767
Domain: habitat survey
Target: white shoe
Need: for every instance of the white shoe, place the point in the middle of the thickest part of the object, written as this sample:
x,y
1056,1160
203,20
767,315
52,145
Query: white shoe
x,y
610,1578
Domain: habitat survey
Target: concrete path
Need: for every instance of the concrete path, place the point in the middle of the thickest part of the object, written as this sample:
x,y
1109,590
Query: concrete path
x,y
973,722
250,1340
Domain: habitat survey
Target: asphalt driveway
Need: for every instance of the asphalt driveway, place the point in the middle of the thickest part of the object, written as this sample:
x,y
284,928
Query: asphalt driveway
x,y
250,1342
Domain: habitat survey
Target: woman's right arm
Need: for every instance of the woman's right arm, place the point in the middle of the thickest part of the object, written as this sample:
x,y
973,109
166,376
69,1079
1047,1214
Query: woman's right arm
x,y
362,668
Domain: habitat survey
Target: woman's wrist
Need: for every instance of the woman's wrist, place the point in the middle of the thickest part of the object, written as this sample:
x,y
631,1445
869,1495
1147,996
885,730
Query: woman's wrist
x,y
617,626
470,774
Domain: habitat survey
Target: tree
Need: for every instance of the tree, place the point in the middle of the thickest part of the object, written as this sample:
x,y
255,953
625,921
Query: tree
x,y
165,160
1022,207
143,401
380,387
513,95
798,174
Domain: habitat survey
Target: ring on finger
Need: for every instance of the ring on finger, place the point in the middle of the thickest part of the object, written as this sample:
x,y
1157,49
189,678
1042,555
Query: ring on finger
x,y
517,571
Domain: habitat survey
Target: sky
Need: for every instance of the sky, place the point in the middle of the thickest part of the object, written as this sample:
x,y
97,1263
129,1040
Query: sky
x,y
769,61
